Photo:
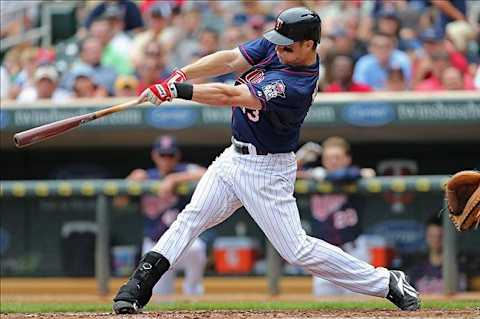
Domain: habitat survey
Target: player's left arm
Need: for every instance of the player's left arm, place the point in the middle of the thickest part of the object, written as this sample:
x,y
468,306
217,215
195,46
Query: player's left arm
x,y
187,176
219,94
213,94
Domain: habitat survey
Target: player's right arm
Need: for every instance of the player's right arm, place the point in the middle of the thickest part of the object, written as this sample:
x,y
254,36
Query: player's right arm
x,y
137,175
236,60
218,63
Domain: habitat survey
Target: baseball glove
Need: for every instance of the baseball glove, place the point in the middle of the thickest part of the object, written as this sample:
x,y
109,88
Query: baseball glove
x,y
463,197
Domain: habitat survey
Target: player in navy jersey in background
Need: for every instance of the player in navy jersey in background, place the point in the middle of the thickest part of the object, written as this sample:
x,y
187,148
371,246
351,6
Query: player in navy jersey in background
x,y
161,210
426,273
277,86
336,217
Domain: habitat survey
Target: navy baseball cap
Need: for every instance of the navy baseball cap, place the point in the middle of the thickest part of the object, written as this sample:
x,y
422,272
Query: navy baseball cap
x,y
389,14
165,144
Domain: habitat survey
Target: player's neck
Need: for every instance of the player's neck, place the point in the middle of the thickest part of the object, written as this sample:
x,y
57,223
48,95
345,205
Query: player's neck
x,y
310,59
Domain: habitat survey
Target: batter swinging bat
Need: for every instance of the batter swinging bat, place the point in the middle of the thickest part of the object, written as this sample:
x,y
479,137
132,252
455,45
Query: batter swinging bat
x,y
41,133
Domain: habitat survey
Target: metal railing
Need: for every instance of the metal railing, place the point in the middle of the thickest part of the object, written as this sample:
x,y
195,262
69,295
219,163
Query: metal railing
x,y
102,189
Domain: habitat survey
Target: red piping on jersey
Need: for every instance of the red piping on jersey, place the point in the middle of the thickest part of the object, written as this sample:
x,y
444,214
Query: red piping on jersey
x,y
299,72
245,54
268,59
242,80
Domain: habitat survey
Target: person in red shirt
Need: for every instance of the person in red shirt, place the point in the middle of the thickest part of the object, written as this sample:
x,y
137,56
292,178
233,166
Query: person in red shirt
x,y
424,68
342,72
439,61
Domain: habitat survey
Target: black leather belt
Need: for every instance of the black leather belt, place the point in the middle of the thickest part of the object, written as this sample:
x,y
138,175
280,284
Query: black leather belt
x,y
243,149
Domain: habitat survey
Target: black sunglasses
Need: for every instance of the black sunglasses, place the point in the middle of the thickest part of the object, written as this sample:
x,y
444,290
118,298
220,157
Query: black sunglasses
x,y
166,155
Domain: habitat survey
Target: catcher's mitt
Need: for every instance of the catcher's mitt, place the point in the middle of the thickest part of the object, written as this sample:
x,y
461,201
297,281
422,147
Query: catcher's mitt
x,y
463,197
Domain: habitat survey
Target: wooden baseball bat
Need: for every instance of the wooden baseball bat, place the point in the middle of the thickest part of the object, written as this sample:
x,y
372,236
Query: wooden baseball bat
x,y
41,133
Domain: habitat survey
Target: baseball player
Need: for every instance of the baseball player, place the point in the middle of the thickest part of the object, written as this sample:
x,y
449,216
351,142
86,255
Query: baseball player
x,y
277,85
161,210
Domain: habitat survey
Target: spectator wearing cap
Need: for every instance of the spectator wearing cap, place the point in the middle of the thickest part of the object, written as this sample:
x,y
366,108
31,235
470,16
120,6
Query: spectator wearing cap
x,y
157,18
116,52
132,17
90,57
434,42
160,211
372,68
120,42
342,72
45,87
126,85
85,85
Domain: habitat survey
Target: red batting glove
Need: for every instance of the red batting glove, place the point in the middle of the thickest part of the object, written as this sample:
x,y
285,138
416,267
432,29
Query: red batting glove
x,y
177,76
159,93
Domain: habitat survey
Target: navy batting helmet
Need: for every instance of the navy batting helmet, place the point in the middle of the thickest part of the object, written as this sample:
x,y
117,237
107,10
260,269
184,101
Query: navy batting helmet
x,y
295,24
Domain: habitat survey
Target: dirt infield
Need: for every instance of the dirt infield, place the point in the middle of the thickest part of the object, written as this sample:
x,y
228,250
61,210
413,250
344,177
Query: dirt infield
x,y
338,314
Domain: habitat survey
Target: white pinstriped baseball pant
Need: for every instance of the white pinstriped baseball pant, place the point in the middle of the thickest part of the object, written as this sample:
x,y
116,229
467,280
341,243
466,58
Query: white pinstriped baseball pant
x,y
264,185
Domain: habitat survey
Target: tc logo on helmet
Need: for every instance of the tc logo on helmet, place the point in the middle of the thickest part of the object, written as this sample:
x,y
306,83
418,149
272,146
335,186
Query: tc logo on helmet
x,y
278,24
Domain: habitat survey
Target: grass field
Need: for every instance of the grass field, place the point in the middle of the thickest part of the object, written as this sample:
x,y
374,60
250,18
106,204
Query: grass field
x,y
231,298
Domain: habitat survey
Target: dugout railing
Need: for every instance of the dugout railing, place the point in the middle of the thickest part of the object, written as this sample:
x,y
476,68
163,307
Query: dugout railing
x,y
102,190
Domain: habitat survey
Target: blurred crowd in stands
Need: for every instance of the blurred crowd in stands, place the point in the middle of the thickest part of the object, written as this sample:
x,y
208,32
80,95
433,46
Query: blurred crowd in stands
x,y
123,46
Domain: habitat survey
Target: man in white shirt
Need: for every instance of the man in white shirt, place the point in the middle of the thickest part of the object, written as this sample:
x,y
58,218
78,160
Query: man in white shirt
x,y
45,87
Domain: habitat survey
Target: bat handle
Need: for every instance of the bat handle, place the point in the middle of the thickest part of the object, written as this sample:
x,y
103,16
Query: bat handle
x,y
117,108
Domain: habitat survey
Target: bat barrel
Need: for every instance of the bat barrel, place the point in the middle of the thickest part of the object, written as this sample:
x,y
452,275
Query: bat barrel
x,y
47,131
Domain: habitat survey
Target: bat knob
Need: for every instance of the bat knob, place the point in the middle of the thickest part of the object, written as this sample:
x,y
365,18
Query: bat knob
x,y
17,141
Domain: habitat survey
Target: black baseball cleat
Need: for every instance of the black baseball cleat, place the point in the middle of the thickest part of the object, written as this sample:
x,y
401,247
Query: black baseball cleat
x,y
136,293
401,293
122,307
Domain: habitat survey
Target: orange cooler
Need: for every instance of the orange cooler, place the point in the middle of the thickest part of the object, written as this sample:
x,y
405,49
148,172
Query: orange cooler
x,y
234,255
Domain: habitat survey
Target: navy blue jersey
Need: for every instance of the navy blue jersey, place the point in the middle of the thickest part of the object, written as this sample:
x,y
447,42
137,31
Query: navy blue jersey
x,y
286,93
336,217
160,212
